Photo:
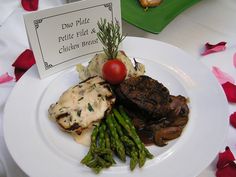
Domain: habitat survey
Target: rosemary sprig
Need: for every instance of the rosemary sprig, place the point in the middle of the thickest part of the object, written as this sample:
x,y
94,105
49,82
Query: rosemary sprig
x,y
110,37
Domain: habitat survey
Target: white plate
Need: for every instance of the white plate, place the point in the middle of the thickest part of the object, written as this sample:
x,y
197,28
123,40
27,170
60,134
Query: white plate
x,y
42,150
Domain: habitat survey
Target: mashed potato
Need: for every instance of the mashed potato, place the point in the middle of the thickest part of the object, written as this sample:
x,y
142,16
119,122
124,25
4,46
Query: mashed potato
x,y
94,67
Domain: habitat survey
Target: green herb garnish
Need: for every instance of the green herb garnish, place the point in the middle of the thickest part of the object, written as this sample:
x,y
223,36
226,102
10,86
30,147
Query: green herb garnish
x,y
80,99
79,113
90,108
110,37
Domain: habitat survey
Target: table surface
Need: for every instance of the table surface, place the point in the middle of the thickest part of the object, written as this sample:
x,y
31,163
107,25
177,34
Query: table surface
x,y
207,21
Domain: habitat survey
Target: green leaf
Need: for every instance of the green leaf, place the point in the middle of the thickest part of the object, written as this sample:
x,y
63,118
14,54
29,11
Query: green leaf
x,y
110,37
90,108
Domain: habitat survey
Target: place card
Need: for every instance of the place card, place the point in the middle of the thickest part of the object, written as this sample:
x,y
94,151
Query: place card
x,y
64,36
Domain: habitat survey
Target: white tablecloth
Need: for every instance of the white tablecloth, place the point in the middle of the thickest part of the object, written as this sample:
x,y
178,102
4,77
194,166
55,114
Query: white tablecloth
x,y
207,21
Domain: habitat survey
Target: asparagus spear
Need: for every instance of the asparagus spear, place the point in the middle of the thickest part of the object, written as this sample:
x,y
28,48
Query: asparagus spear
x,y
133,152
103,144
108,146
128,121
112,143
141,152
98,157
117,126
120,149
93,145
107,140
128,126
130,148
101,138
116,133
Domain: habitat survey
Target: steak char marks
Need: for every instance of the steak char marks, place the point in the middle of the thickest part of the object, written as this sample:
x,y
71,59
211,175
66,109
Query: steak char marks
x,y
145,96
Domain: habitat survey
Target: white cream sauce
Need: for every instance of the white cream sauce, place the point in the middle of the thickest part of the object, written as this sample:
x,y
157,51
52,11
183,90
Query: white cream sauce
x,y
84,138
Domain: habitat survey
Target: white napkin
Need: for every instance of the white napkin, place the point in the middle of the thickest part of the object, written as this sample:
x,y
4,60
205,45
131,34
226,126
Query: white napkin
x,y
6,8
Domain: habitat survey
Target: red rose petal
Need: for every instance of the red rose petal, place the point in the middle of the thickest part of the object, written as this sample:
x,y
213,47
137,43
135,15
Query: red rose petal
x,y
211,48
5,78
25,60
226,166
232,119
230,91
227,171
30,5
234,60
222,76
19,73
225,158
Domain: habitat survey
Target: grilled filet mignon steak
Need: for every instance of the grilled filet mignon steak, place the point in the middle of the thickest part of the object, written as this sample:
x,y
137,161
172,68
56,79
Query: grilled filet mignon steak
x,y
144,95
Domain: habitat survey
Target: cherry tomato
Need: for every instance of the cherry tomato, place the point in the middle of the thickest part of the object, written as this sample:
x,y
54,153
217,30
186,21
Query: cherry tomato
x,y
114,71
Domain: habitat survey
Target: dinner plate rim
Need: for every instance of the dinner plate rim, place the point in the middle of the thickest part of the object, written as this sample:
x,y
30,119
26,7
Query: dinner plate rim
x,y
129,40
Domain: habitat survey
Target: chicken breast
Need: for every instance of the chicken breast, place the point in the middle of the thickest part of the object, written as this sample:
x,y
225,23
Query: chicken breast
x,y
82,105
